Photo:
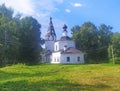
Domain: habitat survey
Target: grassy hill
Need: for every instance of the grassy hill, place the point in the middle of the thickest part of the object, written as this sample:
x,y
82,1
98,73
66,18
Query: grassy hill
x,y
46,77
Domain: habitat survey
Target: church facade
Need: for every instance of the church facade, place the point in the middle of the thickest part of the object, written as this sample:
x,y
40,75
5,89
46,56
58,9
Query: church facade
x,y
63,50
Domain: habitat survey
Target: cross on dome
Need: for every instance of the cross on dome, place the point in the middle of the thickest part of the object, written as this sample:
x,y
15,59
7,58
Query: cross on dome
x,y
50,18
65,27
64,30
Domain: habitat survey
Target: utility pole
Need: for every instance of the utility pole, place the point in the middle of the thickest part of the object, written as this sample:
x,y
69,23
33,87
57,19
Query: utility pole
x,y
5,41
113,54
5,38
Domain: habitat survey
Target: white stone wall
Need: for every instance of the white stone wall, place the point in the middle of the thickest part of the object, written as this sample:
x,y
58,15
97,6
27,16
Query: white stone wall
x,y
60,45
49,45
73,58
46,59
57,57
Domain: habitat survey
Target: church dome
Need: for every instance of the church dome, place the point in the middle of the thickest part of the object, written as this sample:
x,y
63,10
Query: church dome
x,y
64,34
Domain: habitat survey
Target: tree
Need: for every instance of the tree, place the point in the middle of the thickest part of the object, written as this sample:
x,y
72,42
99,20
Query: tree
x,y
86,38
93,41
114,49
104,35
8,37
20,39
75,29
30,41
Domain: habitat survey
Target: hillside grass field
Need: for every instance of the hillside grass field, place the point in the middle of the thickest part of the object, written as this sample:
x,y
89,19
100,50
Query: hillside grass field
x,y
61,77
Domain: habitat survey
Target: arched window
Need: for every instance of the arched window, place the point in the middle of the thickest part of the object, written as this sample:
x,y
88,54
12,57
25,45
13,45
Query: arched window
x,y
68,59
54,59
78,59
56,47
57,59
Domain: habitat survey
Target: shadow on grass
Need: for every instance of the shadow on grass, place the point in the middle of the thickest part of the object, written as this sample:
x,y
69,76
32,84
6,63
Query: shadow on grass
x,y
49,85
12,75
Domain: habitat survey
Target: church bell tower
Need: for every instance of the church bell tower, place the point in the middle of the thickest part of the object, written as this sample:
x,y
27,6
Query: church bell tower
x,y
50,37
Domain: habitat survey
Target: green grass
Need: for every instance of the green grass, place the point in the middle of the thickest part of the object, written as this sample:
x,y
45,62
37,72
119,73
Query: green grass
x,y
47,77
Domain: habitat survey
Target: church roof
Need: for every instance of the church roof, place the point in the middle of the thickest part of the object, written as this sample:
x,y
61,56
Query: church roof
x,y
71,50
63,38
47,53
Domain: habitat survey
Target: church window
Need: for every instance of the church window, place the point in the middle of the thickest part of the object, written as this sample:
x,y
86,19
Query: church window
x,y
56,47
78,59
55,59
68,59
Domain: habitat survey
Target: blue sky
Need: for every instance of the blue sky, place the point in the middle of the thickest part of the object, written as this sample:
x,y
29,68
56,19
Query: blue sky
x,y
70,12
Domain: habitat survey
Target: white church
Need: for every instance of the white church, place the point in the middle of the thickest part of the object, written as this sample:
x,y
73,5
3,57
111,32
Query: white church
x,y
62,51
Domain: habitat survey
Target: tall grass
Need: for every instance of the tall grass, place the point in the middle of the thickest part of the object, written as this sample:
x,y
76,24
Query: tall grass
x,y
48,77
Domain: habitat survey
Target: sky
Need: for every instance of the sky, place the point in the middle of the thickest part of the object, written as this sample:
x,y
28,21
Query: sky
x,y
69,12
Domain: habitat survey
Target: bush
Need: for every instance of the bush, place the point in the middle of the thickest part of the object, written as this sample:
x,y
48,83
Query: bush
x,y
117,60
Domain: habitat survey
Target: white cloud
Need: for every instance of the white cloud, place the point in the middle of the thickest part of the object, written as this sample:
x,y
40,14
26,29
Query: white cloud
x,y
31,7
22,6
45,11
68,10
39,9
45,6
77,4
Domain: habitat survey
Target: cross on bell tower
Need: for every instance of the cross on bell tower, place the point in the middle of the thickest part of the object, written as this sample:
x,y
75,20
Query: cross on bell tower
x,y
51,35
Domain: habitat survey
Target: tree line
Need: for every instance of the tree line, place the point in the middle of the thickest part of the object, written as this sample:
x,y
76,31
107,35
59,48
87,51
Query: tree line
x,y
99,44
20,38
